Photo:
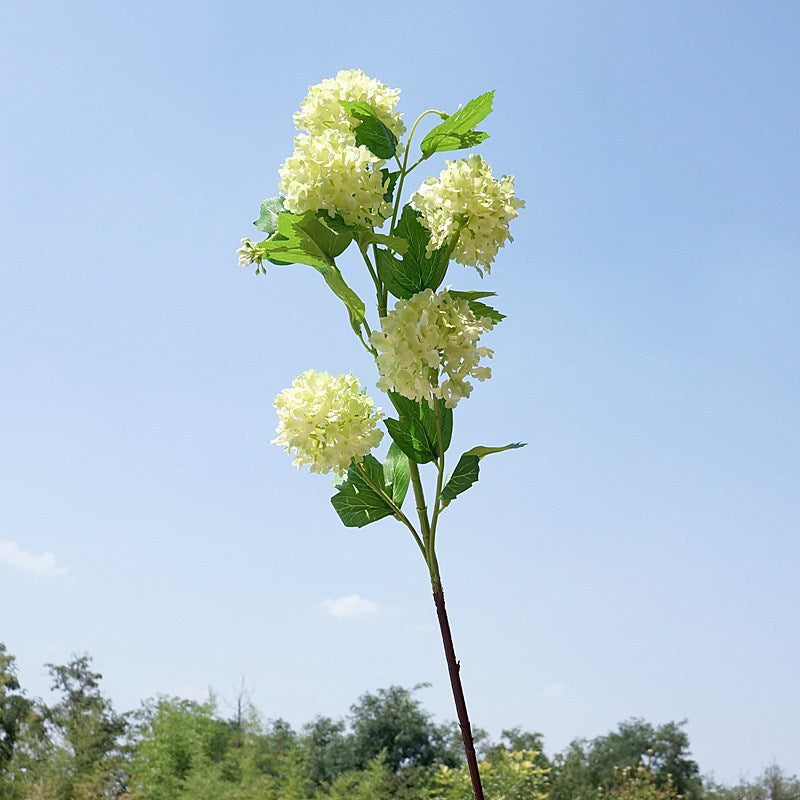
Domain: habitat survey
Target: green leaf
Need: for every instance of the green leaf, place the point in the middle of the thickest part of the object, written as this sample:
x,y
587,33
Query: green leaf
x,y
397,473
464,475
316,240
270,211
467,470
371,132
479,309
415,431
482,451
356,501
365,237
327,234
416,270
391,177
458,130
355,305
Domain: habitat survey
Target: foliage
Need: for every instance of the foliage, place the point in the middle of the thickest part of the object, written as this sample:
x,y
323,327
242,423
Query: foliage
x,y
772,784
589,766
391,721
388,748
14,708
506,775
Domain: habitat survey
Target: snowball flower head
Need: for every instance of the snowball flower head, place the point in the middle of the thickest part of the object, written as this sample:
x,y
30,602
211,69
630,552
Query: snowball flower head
x,y
428,347
328,171
321,110
466,201
326,421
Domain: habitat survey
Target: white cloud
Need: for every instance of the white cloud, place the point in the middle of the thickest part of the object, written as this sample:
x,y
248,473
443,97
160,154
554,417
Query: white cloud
x,y
351,606
14,556
554,690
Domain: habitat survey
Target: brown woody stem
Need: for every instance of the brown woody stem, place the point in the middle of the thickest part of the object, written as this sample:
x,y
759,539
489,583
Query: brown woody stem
x,y
453,668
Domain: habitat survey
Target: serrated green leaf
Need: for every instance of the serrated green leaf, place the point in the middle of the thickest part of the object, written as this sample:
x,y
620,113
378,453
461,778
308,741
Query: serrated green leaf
x,y
371,132
415,431
397,474
416,270
270,211
480,310
467,470
458,130
356,501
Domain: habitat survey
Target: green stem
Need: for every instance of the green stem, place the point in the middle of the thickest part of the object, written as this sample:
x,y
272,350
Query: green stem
x,y
437,503
373,273
383,294
404,171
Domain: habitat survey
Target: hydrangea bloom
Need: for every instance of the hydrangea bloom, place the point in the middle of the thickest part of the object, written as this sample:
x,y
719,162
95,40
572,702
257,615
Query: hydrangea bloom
x,y
428,347
466,198
321,111
326,421
327,171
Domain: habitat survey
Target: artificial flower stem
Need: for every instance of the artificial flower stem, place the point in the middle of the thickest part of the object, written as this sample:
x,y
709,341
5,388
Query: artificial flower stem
x,y
422,509
404,171
437,502
453,669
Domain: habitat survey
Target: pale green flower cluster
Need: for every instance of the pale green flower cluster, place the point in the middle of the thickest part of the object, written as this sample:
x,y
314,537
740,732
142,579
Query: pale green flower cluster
x,y
320,110
428,348
466,201
328,172
248,253
327,421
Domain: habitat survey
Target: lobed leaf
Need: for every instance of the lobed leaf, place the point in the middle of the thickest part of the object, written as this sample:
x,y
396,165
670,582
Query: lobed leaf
x,y
458,130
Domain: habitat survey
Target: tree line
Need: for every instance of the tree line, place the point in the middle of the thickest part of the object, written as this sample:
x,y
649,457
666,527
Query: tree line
x,y
78,747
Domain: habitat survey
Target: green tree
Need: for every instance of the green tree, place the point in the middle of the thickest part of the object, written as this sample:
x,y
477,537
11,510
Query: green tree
x,y
587,766
328,750
83,722
392,720
14,708
73,749
772,784
175,737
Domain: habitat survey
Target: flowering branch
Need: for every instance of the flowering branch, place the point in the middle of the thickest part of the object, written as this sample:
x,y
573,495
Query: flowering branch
x,y
335,190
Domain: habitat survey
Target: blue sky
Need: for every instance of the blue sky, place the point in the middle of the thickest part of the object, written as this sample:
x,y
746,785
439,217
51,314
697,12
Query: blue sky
x,y
639,558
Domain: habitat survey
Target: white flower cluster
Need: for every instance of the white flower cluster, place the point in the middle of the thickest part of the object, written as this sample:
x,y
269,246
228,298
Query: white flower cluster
x,y
321,111
328,172
248,253
326,421
465,200
428,347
